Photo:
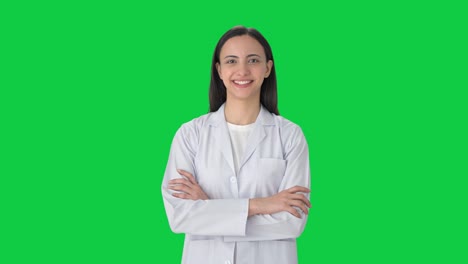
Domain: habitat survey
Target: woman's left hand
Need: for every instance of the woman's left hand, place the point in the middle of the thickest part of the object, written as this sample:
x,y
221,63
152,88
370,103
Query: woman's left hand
x,y
187,187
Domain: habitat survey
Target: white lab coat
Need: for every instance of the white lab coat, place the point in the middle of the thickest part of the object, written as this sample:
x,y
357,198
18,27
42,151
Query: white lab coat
x,y
218,230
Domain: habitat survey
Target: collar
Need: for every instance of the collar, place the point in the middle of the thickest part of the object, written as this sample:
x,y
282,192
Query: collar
x,y
264,117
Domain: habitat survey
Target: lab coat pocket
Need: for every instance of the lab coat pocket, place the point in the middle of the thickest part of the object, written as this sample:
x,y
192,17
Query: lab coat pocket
x,y
201,251
270,174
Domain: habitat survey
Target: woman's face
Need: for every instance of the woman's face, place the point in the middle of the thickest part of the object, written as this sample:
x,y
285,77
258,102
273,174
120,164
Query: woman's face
x,y
243,67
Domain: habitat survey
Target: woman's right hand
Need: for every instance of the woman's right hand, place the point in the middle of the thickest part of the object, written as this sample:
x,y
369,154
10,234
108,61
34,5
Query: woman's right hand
x,y
187,188
285,200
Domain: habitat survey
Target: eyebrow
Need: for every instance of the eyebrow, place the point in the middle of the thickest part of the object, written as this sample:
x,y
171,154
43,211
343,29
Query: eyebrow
x,y
234,56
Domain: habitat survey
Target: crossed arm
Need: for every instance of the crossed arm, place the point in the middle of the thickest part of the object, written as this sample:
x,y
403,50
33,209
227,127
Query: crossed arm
x,y
286,200
191,211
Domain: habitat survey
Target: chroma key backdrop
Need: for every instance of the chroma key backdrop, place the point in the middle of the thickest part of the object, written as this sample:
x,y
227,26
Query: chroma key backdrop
x,y
92,93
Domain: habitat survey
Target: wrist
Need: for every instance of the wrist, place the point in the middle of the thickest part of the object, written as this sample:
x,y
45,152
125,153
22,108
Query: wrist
x,y
254,207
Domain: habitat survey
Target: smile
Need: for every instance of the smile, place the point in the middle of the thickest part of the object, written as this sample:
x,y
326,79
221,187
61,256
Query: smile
x,y
242,82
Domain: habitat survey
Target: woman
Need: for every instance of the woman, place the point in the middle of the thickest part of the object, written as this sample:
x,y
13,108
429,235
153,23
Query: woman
x,y
237,178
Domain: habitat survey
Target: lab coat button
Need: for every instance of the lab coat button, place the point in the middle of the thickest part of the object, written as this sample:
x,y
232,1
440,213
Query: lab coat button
x,y
233,180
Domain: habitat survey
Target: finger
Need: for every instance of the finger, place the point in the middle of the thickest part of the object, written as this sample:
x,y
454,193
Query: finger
x,y
182,188
191,178
181,195
181,181
182,172
293,211
300,205
188,175
302,198
296,189
185,186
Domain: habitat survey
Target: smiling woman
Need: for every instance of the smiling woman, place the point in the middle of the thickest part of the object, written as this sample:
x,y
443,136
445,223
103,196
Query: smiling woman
x,y
243,67
237,179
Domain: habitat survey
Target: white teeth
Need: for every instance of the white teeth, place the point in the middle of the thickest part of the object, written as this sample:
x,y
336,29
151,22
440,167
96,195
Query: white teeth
x,y
242,82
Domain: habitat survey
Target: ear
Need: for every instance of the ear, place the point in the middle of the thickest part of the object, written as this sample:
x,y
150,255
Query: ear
x,y
268,68
218,68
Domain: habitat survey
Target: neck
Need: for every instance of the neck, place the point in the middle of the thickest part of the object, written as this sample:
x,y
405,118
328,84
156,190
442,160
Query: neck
x,y
241,112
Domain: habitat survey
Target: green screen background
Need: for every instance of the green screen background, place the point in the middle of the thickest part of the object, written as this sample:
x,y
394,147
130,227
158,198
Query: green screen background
x,y
91,94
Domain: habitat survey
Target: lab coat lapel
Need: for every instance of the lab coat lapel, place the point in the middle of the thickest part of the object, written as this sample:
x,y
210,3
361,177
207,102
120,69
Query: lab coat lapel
x,y
222,138
257,135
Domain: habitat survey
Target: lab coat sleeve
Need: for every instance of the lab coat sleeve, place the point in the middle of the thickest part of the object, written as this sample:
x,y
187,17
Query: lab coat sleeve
x,y
283,225
214,217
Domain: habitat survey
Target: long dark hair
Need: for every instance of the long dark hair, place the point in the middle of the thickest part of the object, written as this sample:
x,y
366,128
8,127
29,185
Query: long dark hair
x,y
268,92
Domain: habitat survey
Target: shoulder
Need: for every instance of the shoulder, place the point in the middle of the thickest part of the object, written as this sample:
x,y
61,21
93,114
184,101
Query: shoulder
x,y
287,126
188,134
194,126
291,133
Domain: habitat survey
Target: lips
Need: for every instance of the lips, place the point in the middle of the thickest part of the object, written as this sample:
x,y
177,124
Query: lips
x,y
242,82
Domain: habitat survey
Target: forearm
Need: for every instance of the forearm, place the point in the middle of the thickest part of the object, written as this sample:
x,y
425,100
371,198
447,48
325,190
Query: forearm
x,y
217,217
276,226
280,216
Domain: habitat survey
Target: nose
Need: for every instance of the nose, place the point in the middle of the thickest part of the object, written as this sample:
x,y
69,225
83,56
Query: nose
x,y
243,69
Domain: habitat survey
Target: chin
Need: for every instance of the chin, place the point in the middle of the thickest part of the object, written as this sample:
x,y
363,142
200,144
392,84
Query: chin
x,y
245,96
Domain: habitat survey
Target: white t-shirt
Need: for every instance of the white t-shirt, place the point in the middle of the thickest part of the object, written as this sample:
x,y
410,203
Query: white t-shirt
x,y
239,135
